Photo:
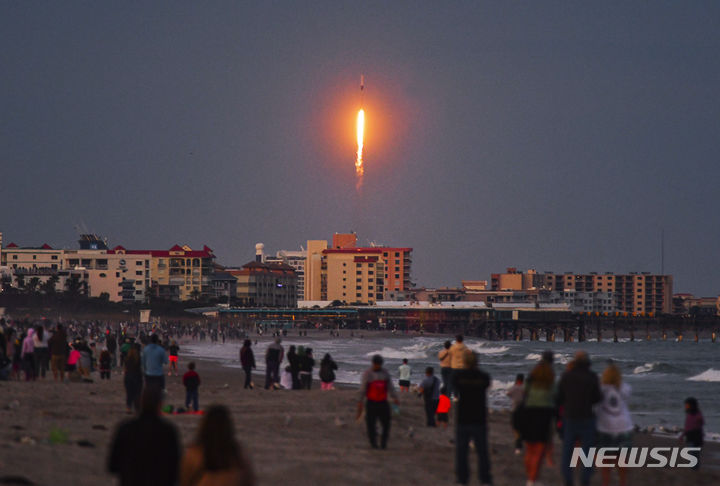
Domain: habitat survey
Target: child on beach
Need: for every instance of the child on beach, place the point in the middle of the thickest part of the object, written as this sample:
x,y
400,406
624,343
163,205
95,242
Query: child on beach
x,y
173,357
191,381
404,381
105,362
694,422
443,408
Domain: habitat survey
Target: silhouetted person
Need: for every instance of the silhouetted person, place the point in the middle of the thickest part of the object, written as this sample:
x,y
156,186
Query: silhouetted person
x,y
375,387
145,451
215,457
247,360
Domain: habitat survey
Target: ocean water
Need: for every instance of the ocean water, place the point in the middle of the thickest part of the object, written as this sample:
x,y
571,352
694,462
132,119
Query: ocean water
x,y
661,373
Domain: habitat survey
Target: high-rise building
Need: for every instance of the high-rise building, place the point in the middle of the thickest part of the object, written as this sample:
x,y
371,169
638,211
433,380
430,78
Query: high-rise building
x,y
352,274
634,292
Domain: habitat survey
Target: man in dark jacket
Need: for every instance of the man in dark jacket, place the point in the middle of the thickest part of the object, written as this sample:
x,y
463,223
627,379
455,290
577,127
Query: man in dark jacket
x,y
578,391
273,358
146,451
470,385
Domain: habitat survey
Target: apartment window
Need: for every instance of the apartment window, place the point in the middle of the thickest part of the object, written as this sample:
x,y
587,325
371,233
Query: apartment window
x,y
358,295
370,272
138,263
138,272
344,264
53,266
138,292
371,287
102,275
53,257
397,275
397,253
385,254
117,274
14,257
397,262
358,280
34,257
359,272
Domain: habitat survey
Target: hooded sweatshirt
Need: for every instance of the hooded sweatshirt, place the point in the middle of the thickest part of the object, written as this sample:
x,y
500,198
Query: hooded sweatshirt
x,y
28,347
613,415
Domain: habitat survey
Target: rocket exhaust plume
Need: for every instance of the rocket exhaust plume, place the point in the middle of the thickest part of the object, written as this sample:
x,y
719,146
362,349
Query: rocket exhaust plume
x,y
360,128
359,169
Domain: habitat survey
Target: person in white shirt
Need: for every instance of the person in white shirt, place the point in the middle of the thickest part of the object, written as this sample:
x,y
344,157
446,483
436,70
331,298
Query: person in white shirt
x,y
613,420
404,381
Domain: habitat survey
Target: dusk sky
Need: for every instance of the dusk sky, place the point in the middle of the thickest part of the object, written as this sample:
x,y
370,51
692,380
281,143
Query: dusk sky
x,y
559,136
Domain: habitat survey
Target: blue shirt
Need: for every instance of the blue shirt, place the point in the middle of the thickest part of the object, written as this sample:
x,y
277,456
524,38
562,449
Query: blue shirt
x,y
153,359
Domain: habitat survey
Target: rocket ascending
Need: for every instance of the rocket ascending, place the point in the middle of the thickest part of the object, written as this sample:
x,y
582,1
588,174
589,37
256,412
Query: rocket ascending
x,y
360,132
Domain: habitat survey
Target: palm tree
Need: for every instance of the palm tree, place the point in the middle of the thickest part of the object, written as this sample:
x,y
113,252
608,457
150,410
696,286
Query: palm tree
x,y
72,286
195,294
32,285
49,286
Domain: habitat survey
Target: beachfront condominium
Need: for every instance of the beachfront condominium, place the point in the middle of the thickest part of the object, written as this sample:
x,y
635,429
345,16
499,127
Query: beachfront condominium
x,y
635,292
295,259
179,273
351,274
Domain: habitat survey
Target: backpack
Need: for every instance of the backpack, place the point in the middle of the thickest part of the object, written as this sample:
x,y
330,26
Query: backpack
x,y
377,391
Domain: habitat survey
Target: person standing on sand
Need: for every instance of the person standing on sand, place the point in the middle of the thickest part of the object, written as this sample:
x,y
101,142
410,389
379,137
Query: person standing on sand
x,y
294,362
215,457
273,358
27,355
404,382
327,372
429,389
470,385
132,380
694,423
173,358
145,451
247,361
153,360
42,354
375,386
191,382
516,393
578,390
58,352
457,360
534,419
307,363
614,423
445,368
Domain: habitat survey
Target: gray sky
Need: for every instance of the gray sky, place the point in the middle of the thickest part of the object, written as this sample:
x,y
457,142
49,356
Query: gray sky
x,y
558,136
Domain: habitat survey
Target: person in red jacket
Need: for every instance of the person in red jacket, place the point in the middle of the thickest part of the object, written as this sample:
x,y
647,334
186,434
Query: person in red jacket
x,y
191,381
443,408
375,387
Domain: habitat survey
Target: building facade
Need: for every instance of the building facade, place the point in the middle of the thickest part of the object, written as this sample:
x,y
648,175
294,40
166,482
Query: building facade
x,y
633,293
179,273
123,278
265,284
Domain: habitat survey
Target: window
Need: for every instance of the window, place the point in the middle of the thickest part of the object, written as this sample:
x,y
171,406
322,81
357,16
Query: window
x,y
102,275
397,253
138,292
34,257
14,257
138,272
138,263
117,274
397,275
370,272
359,272
54,257
358,280
344,264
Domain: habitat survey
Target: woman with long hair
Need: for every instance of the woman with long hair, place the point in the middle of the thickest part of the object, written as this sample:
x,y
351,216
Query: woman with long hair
x,y
327,372
538,410
132,380
215,458
614,424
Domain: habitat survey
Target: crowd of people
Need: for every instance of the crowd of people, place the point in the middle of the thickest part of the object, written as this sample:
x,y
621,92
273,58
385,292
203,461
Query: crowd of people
x,y
582,408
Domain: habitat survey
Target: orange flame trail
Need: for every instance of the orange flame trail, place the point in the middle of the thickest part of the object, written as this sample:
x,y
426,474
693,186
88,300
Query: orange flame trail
x,y
359,169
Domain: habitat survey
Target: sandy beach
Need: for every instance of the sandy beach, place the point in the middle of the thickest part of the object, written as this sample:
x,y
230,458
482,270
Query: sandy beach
x,y
291,437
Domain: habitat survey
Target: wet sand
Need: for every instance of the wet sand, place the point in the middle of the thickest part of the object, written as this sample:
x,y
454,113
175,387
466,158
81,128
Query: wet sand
x,y
291,437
